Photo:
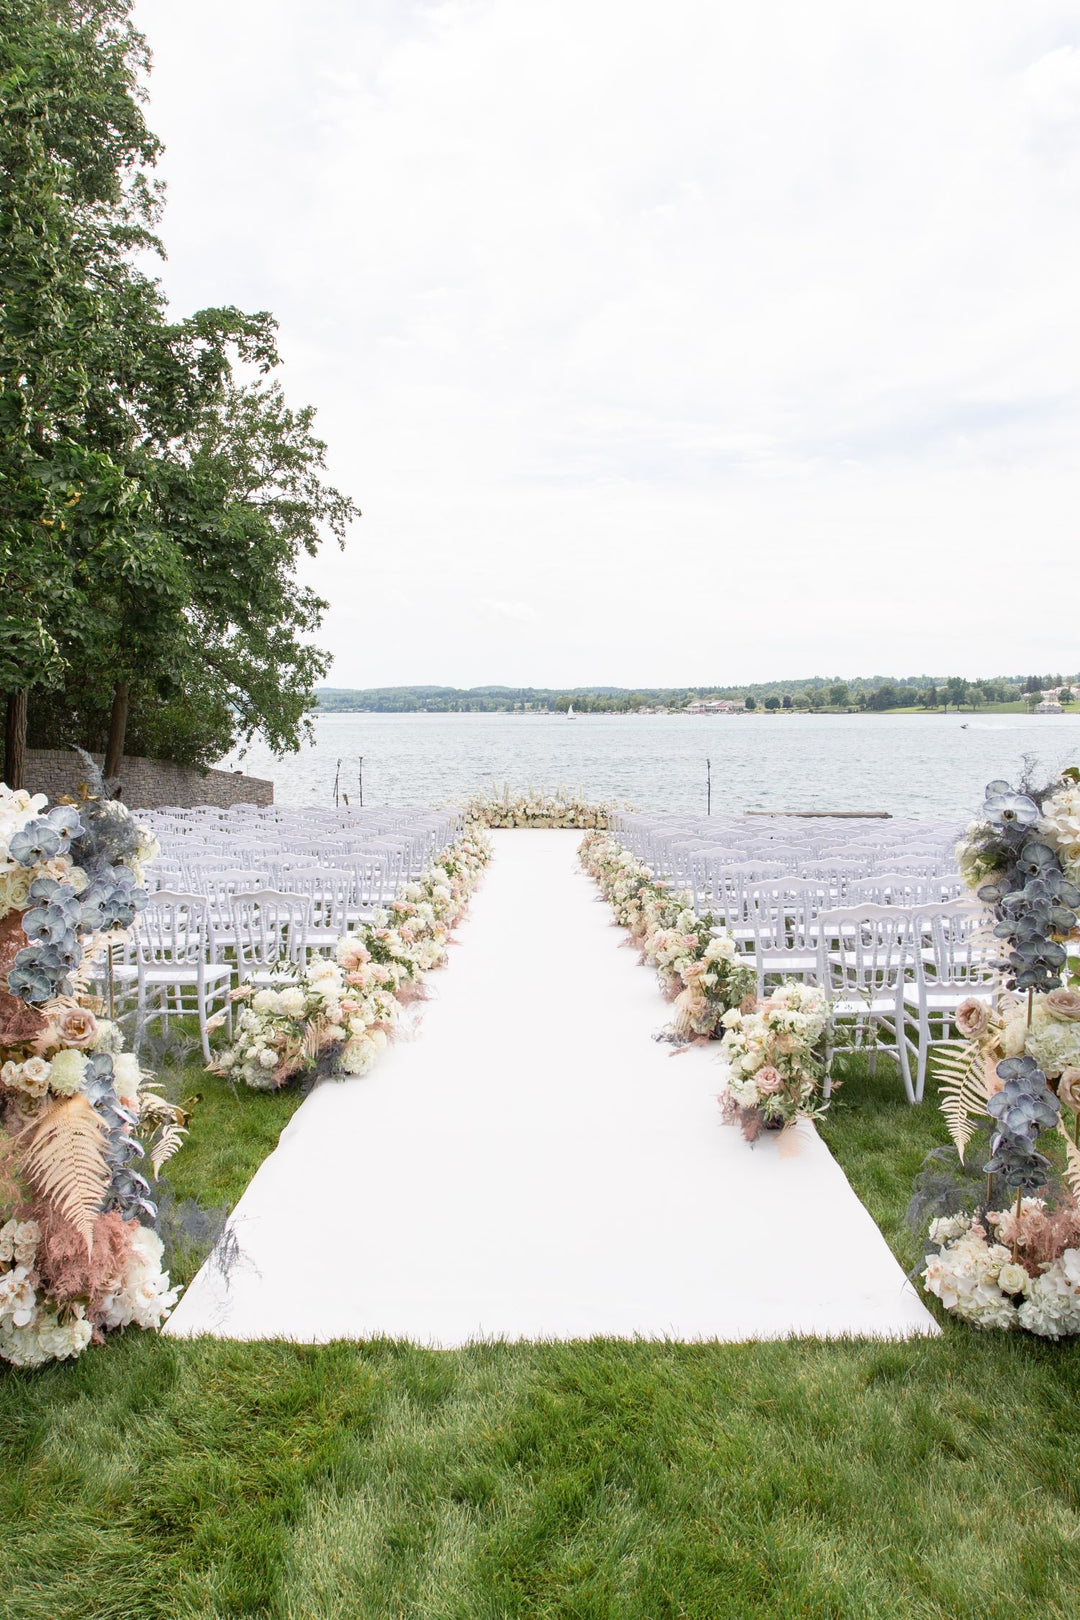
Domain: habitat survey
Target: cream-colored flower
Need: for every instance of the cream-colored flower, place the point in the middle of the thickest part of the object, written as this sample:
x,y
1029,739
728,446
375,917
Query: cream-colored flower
x,y
972,1018
1069,1089
127,1076
1064,1004
67,1072
1015,1036
1012,1279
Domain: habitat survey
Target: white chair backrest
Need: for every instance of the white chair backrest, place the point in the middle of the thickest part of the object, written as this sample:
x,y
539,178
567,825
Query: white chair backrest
x,y
171,930
268,928
863,950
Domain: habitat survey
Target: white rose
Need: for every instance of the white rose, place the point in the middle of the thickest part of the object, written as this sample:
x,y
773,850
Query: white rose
x,y
1013,1279
265,1001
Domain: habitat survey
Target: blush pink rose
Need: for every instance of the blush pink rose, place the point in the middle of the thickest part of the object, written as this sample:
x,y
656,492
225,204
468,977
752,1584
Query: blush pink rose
x,y
769,1081
75,1026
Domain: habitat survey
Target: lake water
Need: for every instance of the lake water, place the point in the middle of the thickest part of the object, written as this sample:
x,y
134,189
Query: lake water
x,y
921,765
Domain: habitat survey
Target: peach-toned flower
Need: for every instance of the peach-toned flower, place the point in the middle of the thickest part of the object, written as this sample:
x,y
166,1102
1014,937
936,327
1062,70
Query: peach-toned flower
x,y
1064,1004
75,1026
972,1018
1069,1089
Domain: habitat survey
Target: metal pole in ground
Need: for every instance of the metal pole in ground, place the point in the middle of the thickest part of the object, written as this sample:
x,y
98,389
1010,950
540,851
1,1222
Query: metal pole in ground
x,y
708,787
337,781
361,779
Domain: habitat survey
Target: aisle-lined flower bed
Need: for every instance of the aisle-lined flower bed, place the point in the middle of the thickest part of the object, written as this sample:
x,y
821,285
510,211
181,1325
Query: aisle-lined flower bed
x,y
81,1135
335,1015
769,1048
699,970
539,809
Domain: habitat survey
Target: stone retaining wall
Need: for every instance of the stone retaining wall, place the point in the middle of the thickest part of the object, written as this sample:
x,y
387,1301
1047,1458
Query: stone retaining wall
x,y
147,783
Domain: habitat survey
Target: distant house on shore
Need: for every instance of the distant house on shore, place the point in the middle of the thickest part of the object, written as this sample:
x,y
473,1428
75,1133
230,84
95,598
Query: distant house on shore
x,y
1049,706
714,706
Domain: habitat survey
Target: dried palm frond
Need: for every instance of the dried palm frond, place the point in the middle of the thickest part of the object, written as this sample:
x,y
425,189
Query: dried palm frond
x,y
961,1068
63,1159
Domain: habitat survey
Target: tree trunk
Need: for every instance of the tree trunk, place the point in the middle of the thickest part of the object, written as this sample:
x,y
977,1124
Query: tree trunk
x,y
114,753
15,740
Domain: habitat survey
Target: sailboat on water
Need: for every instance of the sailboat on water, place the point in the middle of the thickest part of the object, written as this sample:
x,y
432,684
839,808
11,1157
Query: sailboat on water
x,y
570,715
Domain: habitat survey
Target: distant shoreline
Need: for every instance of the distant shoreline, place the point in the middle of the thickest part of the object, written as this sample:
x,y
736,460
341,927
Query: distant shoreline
x,y
735,714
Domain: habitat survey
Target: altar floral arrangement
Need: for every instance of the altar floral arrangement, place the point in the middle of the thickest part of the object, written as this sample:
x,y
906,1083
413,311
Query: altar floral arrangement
x,y
78,1126
699,968
536,808
1005,1221
771,1059
335,1014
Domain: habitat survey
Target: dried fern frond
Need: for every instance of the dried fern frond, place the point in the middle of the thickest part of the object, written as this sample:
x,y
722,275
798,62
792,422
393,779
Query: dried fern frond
x,y
63,1159
167,1142
961,1068
168,1126
314,1038
1072,1159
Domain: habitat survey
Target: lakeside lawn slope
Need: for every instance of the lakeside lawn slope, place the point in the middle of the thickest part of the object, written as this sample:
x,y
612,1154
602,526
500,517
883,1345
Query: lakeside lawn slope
x,y
928,1478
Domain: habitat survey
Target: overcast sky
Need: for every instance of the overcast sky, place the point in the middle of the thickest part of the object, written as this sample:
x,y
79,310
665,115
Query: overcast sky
x,y
684,342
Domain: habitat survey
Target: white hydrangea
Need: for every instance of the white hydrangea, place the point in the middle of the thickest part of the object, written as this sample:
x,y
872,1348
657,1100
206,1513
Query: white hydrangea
x,y
292,1001
48,1337
964,1276
1052,1308
67,1072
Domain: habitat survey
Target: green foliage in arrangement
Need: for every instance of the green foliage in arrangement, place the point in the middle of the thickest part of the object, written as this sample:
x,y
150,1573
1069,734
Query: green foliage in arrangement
x,y
811,1480
154,507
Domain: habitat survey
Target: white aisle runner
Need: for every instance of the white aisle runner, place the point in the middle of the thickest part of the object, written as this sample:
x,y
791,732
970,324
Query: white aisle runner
x,y
534,1165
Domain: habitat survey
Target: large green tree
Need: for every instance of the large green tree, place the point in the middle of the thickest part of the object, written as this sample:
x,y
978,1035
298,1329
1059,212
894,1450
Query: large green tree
x,y
153,511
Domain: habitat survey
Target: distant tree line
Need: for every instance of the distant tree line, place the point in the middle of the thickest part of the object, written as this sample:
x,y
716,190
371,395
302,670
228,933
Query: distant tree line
x,y
872,694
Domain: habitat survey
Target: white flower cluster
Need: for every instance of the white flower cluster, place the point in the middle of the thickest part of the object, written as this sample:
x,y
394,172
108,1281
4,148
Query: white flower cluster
x,y
539,809
1060,826
1052,1037
768,1053
143,1295
34,1329
978,1280
346,1005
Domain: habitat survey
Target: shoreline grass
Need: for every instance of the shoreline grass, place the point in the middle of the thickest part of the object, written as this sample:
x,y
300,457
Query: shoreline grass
x,y
924,1478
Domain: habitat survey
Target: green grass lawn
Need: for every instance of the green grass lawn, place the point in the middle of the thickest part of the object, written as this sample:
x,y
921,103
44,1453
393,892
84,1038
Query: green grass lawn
x,y
590,1480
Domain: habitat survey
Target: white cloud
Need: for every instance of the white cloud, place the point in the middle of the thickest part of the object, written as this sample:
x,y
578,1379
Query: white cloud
x,y
727,341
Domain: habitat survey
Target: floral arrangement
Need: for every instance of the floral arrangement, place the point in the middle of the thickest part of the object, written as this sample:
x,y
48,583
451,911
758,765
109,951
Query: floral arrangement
x,y
699,969
535,808
335,1014
1010,1254
1022,857
1009,1268
78,1251
772,1070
